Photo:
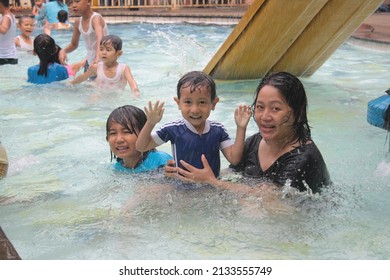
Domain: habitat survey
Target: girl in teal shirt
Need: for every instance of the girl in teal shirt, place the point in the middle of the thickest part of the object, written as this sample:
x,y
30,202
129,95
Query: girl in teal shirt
x,y
122,129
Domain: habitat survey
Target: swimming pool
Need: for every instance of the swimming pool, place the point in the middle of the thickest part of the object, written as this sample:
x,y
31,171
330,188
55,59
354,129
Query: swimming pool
x,y
61,200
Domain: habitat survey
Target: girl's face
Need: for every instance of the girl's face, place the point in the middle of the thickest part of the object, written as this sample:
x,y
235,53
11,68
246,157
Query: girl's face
x,y
108,54
39,3
122,142
27,26
273,115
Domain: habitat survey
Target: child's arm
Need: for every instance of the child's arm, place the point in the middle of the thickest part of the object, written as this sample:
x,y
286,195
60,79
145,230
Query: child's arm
x,y
17,42
132,83
34,10
154,114
233,153
74,43
85,76
98,25
5,24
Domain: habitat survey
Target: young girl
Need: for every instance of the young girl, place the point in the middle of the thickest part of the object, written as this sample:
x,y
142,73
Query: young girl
x,y
48,70
8,51
24,41
122,129
110,74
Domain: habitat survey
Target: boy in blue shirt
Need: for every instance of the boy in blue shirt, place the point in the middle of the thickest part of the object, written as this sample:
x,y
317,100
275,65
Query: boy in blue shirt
x,y
195,135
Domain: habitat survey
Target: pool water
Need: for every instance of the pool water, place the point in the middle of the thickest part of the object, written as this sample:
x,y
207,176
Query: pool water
x,y
61,199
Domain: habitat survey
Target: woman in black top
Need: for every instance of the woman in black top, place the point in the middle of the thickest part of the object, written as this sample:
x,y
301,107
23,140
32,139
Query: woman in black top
x,y
282,152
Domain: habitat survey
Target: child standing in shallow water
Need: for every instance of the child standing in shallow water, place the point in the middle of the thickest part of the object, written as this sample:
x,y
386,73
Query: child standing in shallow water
x,y
24,41
91,26
48,70
8,51
109,73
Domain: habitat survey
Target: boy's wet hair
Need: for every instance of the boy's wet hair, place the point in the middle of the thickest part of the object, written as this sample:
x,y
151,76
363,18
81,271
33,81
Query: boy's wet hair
x,y
114,40
62,16
21,18
196,80
5,3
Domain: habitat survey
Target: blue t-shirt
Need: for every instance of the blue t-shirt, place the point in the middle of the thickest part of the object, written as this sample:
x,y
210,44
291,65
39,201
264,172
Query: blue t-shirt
x,y
50,12
154,160
55,72
189,145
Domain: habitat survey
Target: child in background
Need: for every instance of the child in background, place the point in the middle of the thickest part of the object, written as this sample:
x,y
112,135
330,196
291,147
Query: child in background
x,y
48,70
91,26
38,6
36,11
24,41
8,51
109,73
62,23
122,129
194,135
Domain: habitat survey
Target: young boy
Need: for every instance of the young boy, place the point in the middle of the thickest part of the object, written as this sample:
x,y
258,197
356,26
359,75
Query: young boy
x,y
8,52
24,41
109,73
91,26
195,135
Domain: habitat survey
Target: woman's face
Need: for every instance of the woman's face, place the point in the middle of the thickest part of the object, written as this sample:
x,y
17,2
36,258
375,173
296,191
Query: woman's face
x,y
122,142
273,115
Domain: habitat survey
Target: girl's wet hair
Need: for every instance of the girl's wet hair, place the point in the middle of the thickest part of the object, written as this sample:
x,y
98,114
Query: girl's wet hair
x,y
196,80
47,51
128,116
114,40
291,88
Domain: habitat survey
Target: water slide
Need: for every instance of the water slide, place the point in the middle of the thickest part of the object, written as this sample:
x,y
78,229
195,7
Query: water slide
x,y
297,36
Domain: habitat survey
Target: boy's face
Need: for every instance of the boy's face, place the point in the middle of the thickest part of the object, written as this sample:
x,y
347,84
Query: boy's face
x,y
196,107
27,26
108,54
79,7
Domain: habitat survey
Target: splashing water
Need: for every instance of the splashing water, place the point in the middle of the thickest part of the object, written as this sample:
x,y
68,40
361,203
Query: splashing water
x,y
61,199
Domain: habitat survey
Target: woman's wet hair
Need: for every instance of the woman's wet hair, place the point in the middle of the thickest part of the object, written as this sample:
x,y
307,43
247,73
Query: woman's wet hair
x,y
293,91
46,49
114,40
196,80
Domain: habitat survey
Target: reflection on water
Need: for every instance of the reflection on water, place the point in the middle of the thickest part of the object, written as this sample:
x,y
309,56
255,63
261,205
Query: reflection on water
x,y
62,201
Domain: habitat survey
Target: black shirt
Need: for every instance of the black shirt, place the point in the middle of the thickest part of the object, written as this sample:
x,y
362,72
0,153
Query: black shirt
x,y
302,165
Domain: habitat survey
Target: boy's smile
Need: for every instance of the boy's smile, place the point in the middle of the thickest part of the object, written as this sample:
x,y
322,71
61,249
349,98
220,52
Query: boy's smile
x,y
196,106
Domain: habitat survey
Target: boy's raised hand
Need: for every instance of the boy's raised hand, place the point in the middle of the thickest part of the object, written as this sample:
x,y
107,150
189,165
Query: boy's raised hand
x,y
242,115
154,113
